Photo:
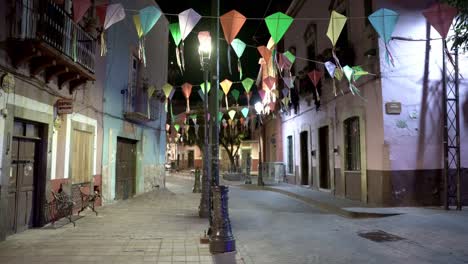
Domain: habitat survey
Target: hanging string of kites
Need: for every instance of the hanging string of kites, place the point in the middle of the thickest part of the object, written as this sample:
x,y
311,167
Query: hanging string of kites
x,y
383,21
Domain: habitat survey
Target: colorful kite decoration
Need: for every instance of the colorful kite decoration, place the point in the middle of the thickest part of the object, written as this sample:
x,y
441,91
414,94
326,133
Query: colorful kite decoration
x,y
167,89
289,81
177,127
265,52
270,81
137,22
232,23
247,84
441,16
331,69
232,114
235,93
336,25
238,46
384,22
187,90
201,94
174,28
315,77
187,21
148,18
101,11
79,9
353,74
208,87
114,14
226,86
277,25
245,112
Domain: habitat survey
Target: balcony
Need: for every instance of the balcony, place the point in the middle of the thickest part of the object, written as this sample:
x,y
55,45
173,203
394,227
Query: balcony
x,y
47,39
137,107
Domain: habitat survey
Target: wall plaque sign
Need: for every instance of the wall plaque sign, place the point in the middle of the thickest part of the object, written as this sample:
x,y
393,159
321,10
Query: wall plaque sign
x,y
393,108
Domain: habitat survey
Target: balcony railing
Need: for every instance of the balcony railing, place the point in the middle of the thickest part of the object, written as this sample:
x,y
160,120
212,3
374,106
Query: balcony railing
x,y
136,106
49,23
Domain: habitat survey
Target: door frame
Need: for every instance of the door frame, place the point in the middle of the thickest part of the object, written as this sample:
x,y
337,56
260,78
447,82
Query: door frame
x,y
306,154
326,121
359,112
135,183
319,155
43,114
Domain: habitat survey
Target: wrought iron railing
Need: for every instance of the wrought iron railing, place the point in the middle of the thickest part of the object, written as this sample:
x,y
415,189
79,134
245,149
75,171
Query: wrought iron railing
x,y
139,102
48,22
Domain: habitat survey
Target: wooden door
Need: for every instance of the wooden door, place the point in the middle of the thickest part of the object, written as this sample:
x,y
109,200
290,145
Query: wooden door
x,y
22,178
191,159
81,166
125,169
304,158
323,158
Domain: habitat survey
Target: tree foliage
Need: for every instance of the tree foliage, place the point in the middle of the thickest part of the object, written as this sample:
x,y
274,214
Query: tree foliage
x,y
460,38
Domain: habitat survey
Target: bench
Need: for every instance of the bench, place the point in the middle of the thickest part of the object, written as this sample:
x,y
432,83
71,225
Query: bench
x,y
88,199
59,207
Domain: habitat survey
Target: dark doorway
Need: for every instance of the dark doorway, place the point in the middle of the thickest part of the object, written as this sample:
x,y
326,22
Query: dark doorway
x,y
25,177
323,156
125,179
191,159
304,158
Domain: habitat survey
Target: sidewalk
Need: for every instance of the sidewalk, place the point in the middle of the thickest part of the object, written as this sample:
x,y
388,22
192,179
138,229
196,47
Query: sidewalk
x,y
326,201
161,226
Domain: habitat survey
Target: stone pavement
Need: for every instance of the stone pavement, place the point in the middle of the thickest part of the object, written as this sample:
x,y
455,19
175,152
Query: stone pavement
x,y
157,227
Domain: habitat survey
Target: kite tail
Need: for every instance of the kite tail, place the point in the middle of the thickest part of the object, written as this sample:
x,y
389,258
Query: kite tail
x,y
188,105
179,63
227,106
103,45
318,96
229,59
165,105
334,86
182,59
239,68
75,46
337,61
388,56
143,52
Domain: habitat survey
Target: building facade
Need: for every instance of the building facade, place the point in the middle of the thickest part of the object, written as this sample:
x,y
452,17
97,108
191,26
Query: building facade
x,y
351,146
134,143
67,119
51,126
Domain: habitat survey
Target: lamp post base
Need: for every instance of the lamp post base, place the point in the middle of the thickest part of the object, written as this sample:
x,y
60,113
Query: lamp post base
x,y
221,238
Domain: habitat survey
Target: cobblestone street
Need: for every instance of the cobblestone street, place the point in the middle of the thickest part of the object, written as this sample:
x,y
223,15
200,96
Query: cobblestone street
x,y
158,227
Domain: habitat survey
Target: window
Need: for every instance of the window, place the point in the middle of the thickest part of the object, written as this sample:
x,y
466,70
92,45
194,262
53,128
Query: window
x,y
352,144
290,154
133,82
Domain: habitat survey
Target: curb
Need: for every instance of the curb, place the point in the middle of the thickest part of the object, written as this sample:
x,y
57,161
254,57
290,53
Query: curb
x,y
321,205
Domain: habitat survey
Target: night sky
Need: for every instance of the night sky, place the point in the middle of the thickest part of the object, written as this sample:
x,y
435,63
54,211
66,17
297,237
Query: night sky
x,y
254,32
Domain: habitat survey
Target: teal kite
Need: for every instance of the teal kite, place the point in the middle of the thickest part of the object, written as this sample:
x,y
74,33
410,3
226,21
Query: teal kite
x,y
238,46
384,22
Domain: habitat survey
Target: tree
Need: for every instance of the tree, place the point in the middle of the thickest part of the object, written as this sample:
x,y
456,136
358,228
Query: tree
x,y
231,136
460,39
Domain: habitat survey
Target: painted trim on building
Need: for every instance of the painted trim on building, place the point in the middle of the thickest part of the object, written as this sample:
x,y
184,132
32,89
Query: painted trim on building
x,y
359,112
85,120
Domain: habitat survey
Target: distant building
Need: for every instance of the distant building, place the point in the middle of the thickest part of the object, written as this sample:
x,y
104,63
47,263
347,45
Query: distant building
x,y
354,147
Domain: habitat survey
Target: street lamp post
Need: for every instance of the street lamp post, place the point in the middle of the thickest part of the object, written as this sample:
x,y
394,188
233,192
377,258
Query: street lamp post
x,y
259,108
204,51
